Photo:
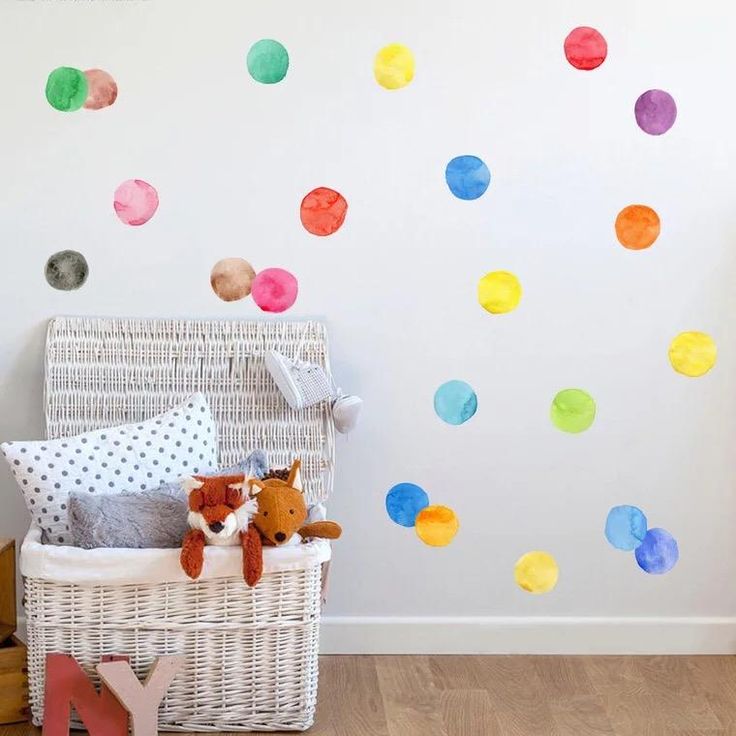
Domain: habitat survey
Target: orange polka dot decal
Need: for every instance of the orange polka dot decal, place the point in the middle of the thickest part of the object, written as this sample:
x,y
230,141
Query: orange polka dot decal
x,y
637,226
323,211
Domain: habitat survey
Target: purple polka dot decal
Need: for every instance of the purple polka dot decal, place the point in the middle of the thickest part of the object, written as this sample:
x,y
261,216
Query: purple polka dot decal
x,y
655,111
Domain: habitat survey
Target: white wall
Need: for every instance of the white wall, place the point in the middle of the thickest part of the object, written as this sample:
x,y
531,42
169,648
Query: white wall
x,y
232,159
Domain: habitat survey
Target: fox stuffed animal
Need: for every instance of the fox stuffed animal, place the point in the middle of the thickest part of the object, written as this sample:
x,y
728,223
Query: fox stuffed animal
x,y
220,512
280,516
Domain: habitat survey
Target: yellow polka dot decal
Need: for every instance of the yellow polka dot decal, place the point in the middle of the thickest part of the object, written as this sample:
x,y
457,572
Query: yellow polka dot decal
x,y
394,66
499,292
536,572
693,353
436,525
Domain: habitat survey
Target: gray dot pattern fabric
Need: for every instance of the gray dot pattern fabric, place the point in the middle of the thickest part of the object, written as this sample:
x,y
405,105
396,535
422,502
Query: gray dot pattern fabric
x,y
132,457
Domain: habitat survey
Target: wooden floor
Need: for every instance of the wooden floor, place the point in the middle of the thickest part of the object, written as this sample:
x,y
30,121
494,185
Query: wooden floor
x,y
521,696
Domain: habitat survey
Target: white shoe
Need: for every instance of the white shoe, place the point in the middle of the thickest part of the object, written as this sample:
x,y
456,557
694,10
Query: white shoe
x,y
345,412
302,384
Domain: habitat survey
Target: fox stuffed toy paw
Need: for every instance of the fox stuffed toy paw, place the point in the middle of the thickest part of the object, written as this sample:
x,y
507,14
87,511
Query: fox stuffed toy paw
x,y
220,512
280,516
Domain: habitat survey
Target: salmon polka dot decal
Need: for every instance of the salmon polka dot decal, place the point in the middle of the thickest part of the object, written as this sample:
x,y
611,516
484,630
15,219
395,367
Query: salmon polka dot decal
x,y
585,48
407,504
135,202
323,211
637,226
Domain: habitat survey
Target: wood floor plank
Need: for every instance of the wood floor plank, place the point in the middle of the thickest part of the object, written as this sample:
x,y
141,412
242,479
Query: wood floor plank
x,y
517,695
682,706
410,698
715,678
468,713
582,715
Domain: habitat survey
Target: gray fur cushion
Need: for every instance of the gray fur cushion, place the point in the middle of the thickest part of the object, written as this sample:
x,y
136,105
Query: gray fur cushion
x,y
156,518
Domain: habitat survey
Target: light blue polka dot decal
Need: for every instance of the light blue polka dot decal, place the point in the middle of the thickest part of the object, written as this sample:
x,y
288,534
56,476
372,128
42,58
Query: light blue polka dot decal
x,y
404,501
626,527
658,553
468,177
455,402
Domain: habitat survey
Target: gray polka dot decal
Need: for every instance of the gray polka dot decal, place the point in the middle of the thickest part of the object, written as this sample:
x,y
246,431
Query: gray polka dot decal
x,y
66,270
48,471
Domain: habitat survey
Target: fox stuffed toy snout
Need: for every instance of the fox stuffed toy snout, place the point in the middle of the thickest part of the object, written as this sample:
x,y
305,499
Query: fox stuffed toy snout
x,y
222,512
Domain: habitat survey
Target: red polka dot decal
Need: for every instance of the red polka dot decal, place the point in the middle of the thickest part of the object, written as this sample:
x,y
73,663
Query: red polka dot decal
x,y
585,48
323,211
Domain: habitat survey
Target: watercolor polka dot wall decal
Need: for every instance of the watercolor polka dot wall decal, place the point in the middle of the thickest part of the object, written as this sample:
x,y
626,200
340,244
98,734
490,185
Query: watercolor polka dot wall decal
x,y
455,402
393,66
66,270
404,501
626,527
655,111
66,89
693,353
573,410
468,177
536,572
102,89
274,290
437,525
232,278
585,48
135,202
268,61
658,553
499,292
323,211
637,226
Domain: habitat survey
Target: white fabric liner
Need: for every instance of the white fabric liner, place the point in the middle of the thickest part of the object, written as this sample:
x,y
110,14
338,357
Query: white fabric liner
x,y
115,566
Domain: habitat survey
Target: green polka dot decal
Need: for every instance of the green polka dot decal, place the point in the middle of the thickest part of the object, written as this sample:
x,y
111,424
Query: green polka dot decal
x,y
268,61
67,89
573,410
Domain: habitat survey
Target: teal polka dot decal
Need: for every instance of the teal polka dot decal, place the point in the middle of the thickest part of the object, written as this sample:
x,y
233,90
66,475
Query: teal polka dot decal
x,y
268,61
404,501
455,402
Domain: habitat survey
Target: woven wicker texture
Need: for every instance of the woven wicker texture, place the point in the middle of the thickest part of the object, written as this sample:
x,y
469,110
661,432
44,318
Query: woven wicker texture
x,y
251,653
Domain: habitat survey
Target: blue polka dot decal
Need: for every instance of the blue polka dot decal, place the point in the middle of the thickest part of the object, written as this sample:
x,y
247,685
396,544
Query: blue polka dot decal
x,y
658,553
404,501
455,402
655,550
626,527
468,177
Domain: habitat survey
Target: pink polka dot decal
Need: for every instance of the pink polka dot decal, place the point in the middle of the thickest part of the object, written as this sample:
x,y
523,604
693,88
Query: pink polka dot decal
x,y
136,202
274,290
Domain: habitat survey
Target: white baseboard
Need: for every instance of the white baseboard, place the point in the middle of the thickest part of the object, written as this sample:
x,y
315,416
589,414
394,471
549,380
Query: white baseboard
x,y
518,635
532,635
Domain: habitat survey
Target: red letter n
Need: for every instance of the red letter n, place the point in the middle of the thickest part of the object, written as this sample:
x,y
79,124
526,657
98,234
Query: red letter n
x,y
67,685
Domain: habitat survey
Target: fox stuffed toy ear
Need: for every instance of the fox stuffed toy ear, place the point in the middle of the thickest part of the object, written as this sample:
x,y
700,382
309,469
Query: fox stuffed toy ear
x,y
220,512
282,512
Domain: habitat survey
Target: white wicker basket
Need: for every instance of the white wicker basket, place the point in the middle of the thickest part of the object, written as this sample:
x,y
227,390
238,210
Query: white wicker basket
x,y
251,654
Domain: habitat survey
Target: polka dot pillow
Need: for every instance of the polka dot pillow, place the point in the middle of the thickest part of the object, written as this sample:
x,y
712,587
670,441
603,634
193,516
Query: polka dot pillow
x,y
133,457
